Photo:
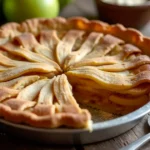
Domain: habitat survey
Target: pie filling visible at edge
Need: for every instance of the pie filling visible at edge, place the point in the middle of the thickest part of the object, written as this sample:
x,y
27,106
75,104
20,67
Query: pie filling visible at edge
x,y
48,66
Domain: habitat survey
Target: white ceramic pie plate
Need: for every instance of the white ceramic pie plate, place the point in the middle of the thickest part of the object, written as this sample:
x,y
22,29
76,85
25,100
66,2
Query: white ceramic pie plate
x,y
101,130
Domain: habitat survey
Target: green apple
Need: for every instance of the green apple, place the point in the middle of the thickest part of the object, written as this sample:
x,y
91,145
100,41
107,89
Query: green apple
x,y
19,10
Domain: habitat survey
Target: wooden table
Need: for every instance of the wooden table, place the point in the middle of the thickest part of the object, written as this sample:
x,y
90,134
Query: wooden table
x,y
8,142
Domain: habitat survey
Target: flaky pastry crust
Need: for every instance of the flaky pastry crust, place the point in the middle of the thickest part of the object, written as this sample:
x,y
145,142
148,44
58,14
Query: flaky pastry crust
x,y
41,58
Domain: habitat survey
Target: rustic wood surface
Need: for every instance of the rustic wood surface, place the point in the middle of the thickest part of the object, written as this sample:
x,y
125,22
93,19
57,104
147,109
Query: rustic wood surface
x,y
8,141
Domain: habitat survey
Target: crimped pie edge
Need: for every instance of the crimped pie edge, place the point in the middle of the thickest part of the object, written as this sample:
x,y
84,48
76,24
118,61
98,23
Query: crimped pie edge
x,y
130,35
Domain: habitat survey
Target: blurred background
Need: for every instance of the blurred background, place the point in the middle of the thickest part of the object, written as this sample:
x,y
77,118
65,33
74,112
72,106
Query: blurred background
x,y
130,13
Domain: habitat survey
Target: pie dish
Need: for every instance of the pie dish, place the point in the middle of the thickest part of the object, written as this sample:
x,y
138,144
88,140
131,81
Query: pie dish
x,y
50,66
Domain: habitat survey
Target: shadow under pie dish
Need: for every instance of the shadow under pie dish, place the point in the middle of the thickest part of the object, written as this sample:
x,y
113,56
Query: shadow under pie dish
x,y
50,66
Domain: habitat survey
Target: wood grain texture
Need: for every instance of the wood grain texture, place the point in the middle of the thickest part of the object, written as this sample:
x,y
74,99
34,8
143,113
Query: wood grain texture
x,y
8,142
116,143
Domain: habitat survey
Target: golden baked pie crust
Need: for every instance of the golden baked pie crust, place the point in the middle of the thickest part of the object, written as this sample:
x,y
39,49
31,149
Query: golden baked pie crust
x,y
40,58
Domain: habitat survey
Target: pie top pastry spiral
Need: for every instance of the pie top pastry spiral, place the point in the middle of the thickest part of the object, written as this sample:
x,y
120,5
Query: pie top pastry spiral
x,y
49,66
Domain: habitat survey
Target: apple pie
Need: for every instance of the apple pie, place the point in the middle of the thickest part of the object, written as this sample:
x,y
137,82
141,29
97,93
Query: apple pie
x,y
50,66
